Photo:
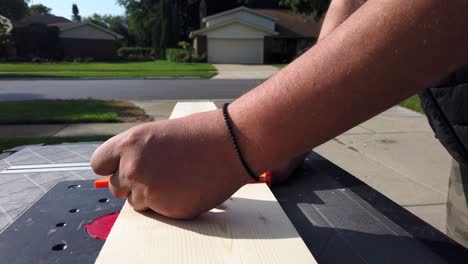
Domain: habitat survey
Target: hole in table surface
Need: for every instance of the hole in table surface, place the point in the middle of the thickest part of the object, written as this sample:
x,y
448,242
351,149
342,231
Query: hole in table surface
x,y
59,247
74,186
74,210
61,224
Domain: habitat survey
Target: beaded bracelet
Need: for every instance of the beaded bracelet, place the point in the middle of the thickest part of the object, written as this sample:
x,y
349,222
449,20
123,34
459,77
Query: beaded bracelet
x,y
227,120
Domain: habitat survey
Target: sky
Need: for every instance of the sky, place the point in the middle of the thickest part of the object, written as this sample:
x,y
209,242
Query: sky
x,y
86,7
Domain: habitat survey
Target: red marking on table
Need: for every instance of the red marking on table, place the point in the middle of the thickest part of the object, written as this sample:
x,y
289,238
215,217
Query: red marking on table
x,y
101,227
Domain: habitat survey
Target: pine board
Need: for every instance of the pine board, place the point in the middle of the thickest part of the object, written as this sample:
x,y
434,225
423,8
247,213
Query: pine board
x,y
251,227
183,109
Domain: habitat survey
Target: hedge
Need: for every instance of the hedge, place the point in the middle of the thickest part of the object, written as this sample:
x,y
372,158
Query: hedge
x,y
136,53
174,54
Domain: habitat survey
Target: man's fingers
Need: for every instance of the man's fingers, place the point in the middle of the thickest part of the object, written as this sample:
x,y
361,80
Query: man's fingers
x,y
118,187
137,200
105,160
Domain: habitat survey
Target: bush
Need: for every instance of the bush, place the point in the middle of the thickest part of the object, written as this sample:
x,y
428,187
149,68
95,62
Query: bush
x,y
82,59
184,54
136,53
173,54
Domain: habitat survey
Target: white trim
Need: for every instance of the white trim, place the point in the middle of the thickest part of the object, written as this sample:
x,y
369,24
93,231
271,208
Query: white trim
x,y
42,170
241,8
47,168
81,24
55,165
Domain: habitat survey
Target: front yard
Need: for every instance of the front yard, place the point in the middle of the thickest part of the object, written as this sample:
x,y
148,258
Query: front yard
x,y
70,111
413,103
65,112
106,69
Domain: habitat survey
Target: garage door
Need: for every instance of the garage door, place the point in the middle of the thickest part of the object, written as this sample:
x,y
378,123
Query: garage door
x,y
244,51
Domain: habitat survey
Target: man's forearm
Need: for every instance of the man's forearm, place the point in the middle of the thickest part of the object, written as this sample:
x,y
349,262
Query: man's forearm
x,y
385,52
337,13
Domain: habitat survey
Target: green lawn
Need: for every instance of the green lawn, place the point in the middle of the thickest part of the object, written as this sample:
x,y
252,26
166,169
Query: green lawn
x,y
69,111
413,103
280,65
9,143
111,69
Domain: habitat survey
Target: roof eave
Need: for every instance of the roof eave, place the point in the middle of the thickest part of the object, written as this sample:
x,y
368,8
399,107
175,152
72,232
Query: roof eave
x,y
205,19
196,33
115,35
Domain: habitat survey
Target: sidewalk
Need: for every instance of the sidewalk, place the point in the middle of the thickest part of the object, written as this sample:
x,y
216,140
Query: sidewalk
x,y
241,71
395,152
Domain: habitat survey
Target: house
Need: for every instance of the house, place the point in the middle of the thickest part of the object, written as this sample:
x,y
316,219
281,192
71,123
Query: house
x,y
254,36
84,39
79,39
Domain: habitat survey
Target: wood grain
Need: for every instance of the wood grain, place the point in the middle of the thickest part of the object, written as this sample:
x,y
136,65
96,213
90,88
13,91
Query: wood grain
x,y
182,109
250,227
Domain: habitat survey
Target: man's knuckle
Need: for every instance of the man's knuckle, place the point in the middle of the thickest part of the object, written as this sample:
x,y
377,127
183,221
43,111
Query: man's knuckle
x,y
118,192
133,171
132,138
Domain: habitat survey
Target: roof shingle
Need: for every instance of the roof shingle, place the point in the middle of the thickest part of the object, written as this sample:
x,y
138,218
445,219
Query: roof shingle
x,y
289,24
44,19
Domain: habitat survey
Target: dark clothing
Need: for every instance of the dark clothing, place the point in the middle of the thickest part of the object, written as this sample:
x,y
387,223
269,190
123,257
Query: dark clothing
x,y
446,107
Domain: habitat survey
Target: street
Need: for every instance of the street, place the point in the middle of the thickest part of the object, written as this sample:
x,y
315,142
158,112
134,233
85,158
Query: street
x,y
155,89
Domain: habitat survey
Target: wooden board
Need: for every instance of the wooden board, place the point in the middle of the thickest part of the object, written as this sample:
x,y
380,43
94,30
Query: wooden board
x,y
250,227
182,109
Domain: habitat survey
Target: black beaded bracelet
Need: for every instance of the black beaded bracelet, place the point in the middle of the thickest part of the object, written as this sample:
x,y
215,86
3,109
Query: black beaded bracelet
x,y
227,120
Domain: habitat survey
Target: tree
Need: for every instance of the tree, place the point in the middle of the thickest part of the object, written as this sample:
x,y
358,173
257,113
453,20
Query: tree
x,y
314,8
5,26
161,23
117,24
13,9
100,20
39,9
5,38
76,13
274,4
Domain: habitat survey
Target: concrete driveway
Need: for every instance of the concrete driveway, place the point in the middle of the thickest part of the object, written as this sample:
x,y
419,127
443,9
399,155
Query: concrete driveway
x,y
242,71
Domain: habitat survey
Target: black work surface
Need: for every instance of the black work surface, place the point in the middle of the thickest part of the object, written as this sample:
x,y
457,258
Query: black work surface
x,y
32,237
341,220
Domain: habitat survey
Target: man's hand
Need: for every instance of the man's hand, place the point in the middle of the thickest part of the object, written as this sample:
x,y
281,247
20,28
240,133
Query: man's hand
x,y
179,168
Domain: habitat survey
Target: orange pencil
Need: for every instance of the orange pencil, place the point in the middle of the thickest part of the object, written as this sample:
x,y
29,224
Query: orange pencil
x,y
104,182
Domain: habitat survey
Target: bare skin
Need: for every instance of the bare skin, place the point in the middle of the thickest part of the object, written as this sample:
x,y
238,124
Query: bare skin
x,y
384,52
338,12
